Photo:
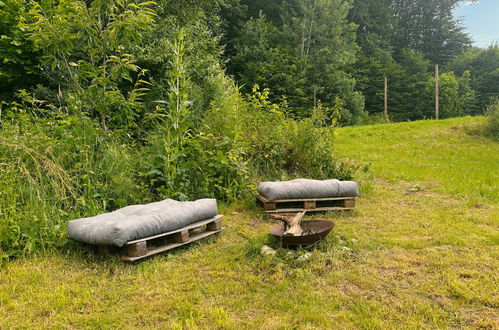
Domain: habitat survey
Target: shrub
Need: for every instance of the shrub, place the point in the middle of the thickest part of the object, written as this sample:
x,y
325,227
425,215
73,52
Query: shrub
x,y
86,47
188,162
64,167
492,124
457,98
273,145
373,119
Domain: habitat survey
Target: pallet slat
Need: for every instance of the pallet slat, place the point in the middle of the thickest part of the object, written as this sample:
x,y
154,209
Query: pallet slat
x,y
306,204
192,226
171,246
140,249
319,209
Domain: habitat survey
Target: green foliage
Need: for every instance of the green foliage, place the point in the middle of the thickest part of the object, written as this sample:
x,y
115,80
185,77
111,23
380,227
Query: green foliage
x,y
188,163
374,21
94,136
483,66
262,60
492,124
19,63
201,62
240,141
428,27
87,46
274,145
401,40
377,118
177,126
407,80
52,171
369,74
300,51
456,96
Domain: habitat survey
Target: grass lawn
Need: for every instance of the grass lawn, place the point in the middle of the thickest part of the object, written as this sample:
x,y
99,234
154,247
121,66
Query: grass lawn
x,y
421,250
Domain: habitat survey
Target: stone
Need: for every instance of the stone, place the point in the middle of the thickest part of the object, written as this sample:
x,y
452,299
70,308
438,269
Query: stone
x,y
267,251
305,256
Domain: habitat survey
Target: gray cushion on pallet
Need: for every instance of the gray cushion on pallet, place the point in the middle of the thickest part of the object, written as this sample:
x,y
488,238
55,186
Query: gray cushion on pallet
x,y
140,221
305,188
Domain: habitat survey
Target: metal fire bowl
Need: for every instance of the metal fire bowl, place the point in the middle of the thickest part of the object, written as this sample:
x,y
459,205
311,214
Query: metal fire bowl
x,y
321,229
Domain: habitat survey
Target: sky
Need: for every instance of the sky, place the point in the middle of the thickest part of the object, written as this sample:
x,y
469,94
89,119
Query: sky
x,y
481,20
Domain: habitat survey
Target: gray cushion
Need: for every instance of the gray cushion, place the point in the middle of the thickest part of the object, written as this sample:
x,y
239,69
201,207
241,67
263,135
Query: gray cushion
x,y
140,221
305,188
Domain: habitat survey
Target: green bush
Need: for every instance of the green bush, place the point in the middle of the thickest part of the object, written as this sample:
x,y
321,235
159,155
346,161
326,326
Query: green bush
x,y
373,119
241,140
492,124
272,145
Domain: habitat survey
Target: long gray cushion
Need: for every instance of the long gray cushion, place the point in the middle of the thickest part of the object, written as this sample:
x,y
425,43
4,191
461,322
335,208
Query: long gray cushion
x,y
140,221
305,188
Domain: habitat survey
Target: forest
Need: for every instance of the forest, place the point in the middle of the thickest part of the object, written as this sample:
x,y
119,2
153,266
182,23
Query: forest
x,y
109,103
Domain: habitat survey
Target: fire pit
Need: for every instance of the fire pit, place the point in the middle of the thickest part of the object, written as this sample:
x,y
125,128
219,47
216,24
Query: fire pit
x,y
312,232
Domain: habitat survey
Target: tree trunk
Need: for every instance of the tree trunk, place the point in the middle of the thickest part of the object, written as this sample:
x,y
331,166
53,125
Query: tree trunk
x,y
293,223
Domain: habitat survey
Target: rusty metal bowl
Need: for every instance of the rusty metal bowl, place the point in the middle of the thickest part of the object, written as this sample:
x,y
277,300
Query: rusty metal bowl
x,y
313,231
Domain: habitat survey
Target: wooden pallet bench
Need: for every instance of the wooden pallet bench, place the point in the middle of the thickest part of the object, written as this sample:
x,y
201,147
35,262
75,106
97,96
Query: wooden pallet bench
x,y
306,204
149,246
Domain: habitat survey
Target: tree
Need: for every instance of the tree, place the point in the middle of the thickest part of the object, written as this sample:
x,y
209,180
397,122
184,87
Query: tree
x,y
399,39
408,77
19,62
483,66
457,98
262,61
374,21
87,47
429,27
300,50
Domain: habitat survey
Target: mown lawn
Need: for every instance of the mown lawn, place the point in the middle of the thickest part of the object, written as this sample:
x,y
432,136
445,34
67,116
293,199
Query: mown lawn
x,y
421,250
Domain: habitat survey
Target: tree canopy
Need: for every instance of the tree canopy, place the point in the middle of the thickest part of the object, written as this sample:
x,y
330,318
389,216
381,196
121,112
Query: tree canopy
x,y
109,58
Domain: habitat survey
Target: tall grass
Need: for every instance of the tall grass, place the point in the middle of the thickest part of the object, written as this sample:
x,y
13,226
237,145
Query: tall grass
x,y
53,171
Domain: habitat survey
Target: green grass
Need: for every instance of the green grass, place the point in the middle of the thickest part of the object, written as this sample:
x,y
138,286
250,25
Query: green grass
x,y
420,251
443,155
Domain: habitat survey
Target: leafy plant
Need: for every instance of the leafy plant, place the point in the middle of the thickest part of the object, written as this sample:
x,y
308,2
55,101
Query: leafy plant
x,y
492,124
20,63
457,98
274,145
87,46
190,163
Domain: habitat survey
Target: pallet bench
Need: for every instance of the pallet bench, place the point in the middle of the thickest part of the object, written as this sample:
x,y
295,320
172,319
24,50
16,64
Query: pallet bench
x,y
149,246
306,204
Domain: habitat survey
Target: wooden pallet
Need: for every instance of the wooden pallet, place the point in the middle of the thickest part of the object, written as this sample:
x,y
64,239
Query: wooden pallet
x,y
306,204
149,246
